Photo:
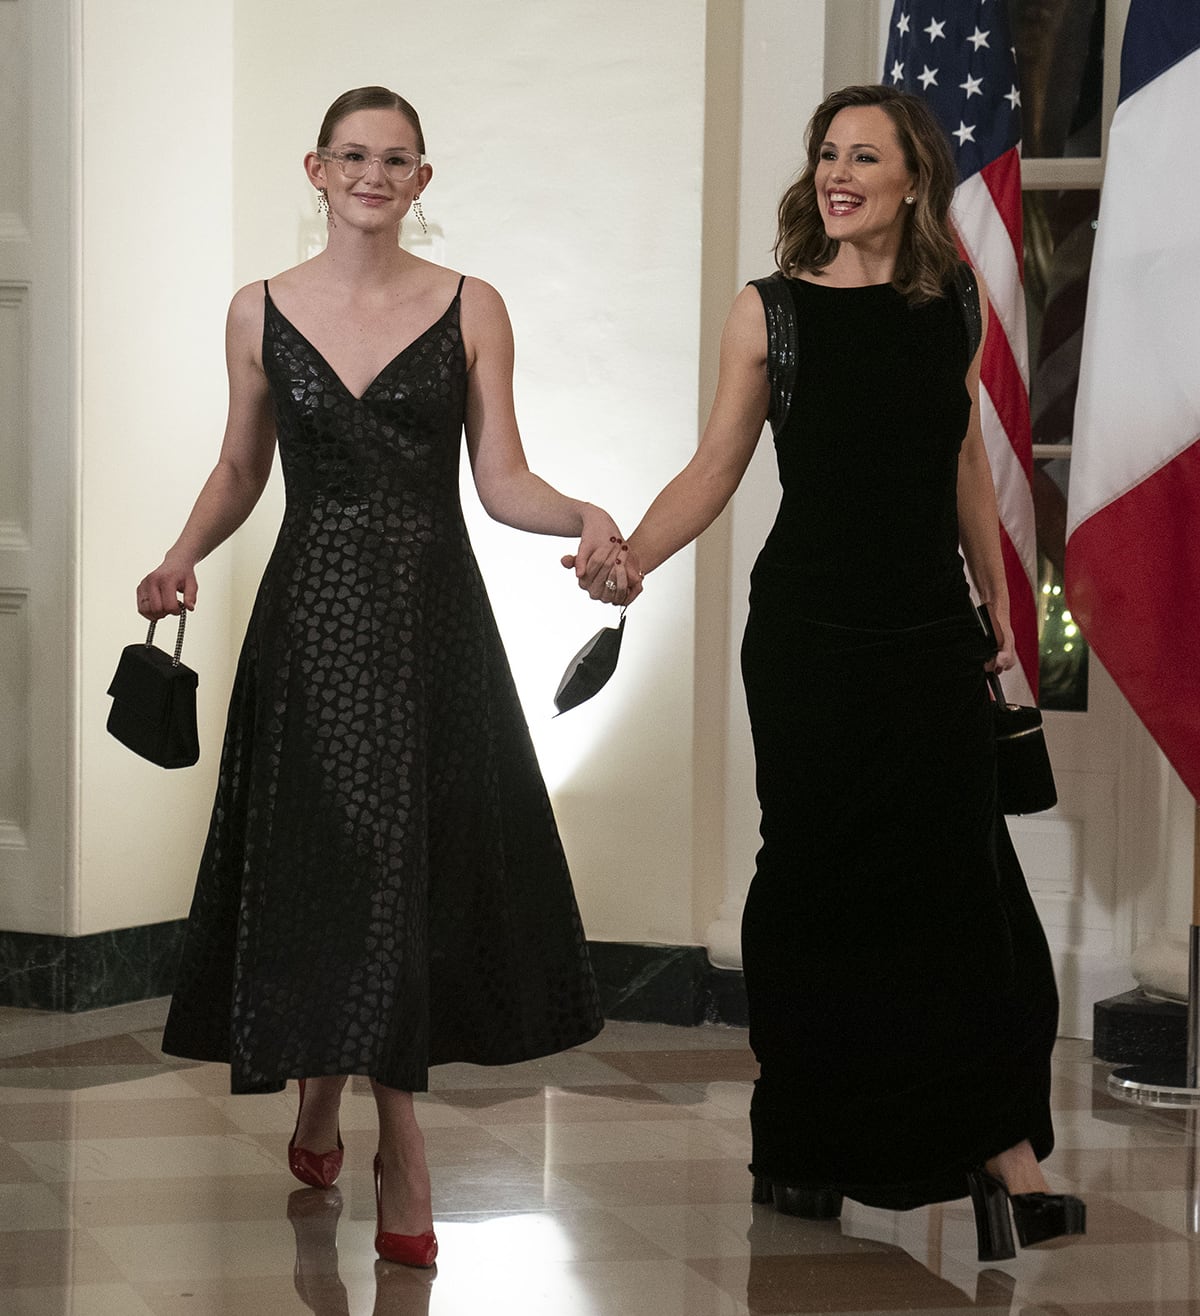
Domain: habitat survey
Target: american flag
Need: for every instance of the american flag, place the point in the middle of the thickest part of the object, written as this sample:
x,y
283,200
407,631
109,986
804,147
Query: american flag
x,y
959,56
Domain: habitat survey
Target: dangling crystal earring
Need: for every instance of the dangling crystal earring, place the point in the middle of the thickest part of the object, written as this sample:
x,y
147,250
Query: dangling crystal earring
x,y
323,201
420,214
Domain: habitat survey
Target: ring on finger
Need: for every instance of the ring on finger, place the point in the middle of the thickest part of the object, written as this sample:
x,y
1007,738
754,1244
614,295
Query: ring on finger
x,y
610,583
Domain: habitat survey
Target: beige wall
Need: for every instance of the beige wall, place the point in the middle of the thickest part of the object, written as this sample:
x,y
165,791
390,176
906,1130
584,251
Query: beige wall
x,y
568,148
155,231
582,151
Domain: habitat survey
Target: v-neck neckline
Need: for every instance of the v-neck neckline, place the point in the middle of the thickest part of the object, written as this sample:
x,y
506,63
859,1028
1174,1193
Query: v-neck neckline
x,y
324,360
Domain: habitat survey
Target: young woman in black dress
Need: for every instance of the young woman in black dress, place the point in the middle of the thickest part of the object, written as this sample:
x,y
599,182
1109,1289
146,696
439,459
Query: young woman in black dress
x,y
902,1000
383,887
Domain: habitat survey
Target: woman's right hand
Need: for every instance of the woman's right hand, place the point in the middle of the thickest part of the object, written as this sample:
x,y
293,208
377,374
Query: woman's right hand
x,y
158,593
613,577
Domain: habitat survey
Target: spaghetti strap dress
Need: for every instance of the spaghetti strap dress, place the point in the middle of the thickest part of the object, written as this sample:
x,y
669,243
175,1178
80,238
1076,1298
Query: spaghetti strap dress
x,y
901,995
383,886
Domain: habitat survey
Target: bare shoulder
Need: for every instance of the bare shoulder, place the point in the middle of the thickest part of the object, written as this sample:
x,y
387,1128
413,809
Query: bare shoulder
x,y
247,302
481,302
486,328
745,331
244,324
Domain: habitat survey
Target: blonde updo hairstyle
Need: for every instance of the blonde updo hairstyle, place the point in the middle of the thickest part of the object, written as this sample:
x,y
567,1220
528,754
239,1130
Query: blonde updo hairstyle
x,y
928,253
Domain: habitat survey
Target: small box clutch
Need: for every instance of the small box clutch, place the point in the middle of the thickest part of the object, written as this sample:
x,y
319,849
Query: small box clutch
x,y
154,703
1024,776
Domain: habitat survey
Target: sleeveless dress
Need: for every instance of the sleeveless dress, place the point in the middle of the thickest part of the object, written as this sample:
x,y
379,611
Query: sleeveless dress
x,y
902,999
383,887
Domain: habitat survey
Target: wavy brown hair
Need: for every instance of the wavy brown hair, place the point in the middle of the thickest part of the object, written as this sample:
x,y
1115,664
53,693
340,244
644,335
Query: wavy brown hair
x,y
928,254
367,98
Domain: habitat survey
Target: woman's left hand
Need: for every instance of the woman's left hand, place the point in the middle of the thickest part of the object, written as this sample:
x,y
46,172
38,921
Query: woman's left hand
x,y
1005,658
1006,655
603,563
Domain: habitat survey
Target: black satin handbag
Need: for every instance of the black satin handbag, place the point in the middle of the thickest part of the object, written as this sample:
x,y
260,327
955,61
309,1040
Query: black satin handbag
x,y
154,702
591,667
1024,776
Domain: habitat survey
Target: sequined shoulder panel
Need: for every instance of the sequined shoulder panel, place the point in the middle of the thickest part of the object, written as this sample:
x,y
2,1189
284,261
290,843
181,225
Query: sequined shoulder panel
x,y
782,347
966,290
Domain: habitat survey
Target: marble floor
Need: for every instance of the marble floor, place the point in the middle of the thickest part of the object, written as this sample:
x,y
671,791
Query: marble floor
x,y
609,1181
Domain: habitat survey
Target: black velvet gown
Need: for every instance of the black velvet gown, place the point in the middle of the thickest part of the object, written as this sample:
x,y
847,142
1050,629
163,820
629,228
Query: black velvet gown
x,y
383,886
902,999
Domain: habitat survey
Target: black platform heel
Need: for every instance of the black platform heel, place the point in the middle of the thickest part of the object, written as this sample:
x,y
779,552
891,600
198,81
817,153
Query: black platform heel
x,y
1040,1217
807,1203
993,1228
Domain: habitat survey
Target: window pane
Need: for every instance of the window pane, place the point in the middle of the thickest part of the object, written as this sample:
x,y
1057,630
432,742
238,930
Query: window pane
x,y
1062,650
1060,55
1059,234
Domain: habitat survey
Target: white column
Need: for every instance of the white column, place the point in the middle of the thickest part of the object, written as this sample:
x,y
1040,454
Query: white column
x,y
783,58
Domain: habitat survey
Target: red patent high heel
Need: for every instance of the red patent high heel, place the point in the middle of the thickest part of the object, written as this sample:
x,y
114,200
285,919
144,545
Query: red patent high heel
x,y
407,1249
316,1169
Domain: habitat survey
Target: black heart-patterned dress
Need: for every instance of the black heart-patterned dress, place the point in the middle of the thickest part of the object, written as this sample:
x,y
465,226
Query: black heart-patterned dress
x,y
383,887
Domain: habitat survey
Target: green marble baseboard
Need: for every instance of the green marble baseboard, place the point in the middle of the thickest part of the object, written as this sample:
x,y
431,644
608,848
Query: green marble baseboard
x,y
649,984
70,974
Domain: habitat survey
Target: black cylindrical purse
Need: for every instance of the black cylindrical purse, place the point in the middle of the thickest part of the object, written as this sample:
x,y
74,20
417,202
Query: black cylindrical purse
x,y
1023,773
154,702
1024,776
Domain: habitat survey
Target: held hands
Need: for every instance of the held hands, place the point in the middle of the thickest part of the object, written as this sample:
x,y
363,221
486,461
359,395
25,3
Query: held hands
x,y
158,594
604,564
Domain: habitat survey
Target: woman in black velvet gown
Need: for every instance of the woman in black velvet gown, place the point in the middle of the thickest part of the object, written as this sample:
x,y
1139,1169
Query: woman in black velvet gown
x,y
902,1000
383,888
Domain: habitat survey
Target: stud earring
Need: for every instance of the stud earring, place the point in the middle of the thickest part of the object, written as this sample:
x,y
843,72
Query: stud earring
x,y
908,200
420,214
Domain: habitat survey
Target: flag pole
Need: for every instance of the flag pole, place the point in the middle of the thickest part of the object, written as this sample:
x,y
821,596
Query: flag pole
x,y
1193,1041
1166,1083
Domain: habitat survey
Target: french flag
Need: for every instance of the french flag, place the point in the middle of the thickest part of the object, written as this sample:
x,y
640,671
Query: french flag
x,y
1133,513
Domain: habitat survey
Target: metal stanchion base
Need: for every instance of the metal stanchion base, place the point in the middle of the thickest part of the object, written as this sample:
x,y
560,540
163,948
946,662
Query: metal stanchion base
x,y
1154,1085
1166,1084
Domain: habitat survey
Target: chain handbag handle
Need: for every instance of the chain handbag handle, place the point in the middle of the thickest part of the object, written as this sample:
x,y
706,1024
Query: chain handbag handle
x,y
178,636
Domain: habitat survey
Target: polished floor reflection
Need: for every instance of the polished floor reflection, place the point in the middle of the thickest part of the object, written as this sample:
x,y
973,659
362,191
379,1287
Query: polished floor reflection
x,y
610,1180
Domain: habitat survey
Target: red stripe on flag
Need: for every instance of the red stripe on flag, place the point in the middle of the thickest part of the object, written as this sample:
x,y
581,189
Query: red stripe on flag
x,y
1133,584
1007,389
1003,180
1022,610
999,374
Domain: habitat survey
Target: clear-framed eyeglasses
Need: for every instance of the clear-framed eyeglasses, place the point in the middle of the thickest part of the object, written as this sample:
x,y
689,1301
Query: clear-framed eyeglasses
x,y
399,166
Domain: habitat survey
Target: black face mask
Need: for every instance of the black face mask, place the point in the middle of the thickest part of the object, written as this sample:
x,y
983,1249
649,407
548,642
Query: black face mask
x,y
591,667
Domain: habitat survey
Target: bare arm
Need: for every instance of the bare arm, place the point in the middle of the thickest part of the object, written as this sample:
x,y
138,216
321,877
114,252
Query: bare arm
x,y
237,481
979,517
509,491
695,497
